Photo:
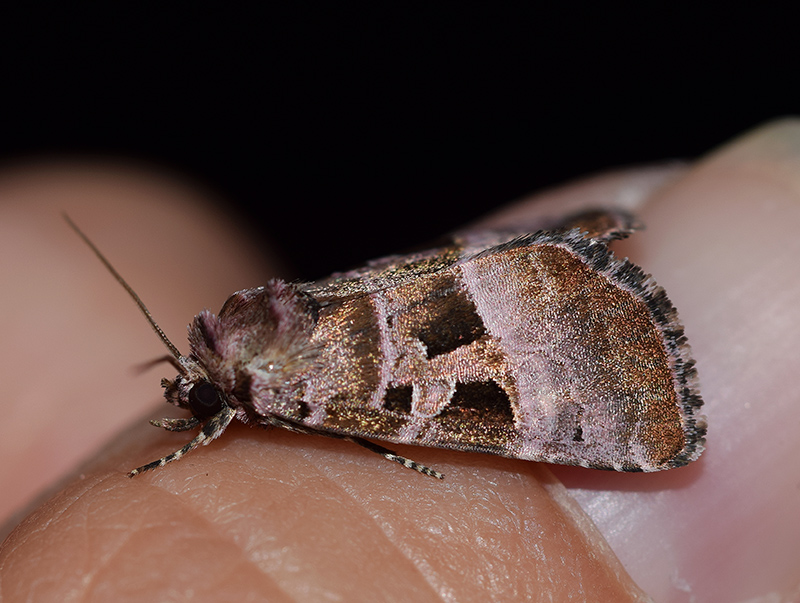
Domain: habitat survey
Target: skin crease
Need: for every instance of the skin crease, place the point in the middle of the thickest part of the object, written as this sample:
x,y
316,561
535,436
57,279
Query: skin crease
x,y
270,515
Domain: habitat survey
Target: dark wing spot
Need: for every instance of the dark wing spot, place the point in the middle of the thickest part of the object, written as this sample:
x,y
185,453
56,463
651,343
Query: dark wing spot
x,y
241,387
449,319
479,418
577,435
482,401
304,411
398,399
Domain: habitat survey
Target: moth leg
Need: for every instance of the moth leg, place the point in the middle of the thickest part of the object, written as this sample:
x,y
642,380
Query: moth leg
x,y
384,452
211,430
176,424
388,454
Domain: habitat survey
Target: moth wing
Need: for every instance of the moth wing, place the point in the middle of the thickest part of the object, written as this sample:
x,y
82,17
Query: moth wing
x,y
603,225
545,348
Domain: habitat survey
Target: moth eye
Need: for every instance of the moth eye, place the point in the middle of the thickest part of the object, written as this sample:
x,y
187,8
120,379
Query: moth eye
x,y
204,400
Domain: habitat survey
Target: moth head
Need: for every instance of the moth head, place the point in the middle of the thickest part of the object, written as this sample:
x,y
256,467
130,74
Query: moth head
x,y
253,356
199,395
243,361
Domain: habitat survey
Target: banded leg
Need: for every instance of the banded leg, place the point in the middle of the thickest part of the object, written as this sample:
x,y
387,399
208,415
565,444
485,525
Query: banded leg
x,y
388,454
211,430
384,452
176,424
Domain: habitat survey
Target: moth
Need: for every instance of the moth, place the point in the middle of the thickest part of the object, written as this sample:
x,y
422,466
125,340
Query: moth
x,y
539,346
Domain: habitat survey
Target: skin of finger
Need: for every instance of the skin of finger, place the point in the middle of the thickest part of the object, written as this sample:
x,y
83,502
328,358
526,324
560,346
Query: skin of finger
x,y
274,514
722,240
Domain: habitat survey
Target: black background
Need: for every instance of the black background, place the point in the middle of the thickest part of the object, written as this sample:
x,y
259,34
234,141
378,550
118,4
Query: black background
x,y
345,131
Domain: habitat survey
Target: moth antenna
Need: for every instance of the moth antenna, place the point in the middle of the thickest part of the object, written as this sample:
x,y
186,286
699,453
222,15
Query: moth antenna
x,y
143,367
170,346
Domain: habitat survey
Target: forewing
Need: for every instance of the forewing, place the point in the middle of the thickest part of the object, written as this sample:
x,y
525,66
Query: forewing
x,y
544,348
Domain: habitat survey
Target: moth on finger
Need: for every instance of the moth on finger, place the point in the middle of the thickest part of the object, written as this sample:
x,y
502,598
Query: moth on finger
x,y
538,346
